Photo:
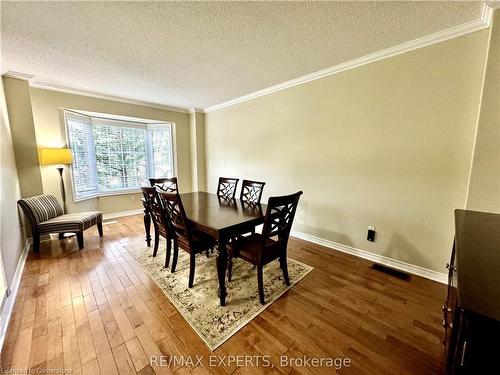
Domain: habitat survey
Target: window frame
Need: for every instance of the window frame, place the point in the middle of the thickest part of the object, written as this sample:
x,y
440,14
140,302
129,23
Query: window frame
x,y
102,120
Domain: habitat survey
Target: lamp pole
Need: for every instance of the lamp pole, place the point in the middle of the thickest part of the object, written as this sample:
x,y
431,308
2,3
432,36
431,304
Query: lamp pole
x,y
63,192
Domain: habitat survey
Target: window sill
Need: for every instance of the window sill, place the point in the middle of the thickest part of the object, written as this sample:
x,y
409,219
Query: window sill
x,y
109,194
119,192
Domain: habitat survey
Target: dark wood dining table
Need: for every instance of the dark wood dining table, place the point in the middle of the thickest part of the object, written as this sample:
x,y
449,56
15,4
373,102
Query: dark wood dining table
x,y
220,218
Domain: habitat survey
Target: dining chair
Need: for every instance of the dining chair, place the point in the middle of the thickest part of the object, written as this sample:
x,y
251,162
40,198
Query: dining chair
x,y
168,185
160,222
261,249
251,191
227,187
186,237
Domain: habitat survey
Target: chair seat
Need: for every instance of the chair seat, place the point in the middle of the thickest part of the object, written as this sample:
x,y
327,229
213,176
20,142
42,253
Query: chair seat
x,y
164,232
248,248
201,242
77,222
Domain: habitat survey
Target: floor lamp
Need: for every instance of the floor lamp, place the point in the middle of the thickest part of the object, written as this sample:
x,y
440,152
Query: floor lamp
x,y
60,156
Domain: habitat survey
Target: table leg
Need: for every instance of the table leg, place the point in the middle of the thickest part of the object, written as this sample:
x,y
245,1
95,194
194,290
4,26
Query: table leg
x,y
147,226
221,270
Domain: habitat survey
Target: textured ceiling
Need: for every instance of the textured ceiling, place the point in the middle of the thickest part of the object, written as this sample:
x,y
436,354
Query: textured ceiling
x,y
204,53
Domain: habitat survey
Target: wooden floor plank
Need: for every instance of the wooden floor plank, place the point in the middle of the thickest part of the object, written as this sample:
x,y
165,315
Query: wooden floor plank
x,y
123,360
71,353
85,343
96,311
104,355
137,354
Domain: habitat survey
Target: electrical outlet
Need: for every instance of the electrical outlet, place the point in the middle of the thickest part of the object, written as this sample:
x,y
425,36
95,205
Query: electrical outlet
x,y
371,233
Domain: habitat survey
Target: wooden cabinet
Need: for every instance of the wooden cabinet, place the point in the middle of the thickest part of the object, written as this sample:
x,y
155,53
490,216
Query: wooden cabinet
x,y
451,301
471,313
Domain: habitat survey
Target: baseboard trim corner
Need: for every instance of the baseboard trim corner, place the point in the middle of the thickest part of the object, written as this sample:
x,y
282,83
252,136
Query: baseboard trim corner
x,y
14,288
376,258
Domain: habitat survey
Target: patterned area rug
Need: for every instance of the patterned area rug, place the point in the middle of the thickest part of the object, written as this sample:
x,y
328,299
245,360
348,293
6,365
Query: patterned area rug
x,y
200,304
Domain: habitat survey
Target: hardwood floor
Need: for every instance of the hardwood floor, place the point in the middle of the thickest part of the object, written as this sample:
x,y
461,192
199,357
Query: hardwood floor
x,y
92,312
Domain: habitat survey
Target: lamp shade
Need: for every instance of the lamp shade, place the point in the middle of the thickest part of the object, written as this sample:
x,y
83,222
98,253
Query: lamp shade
x,y
55,156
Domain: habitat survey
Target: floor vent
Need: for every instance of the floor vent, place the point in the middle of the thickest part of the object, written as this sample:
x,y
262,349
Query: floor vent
x,y
391,271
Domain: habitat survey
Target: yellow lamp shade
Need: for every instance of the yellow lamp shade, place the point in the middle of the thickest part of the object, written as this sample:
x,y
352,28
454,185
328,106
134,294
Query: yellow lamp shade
x,y
55,156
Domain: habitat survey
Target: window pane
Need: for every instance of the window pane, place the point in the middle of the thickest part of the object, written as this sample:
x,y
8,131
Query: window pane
x,y
112,155
161,141
120,157
81,144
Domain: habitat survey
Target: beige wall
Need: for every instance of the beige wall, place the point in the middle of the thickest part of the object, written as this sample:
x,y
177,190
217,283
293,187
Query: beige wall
x,y
11,237
17,96
387,144
49,131
198,167
484,189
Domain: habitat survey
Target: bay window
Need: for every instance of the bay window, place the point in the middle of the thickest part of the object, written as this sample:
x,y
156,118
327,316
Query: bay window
x,y
116,156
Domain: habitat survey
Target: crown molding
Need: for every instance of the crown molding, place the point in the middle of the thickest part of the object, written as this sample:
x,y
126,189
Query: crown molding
x,y
33,82
19,75
482,23
196,110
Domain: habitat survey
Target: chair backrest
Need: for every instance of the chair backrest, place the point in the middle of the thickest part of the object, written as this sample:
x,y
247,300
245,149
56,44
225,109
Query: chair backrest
x,y
154,207
168,185
279,216
176,215
40,208
227,187
251,191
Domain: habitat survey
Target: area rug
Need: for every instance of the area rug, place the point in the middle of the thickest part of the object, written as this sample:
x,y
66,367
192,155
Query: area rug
x,y
199,305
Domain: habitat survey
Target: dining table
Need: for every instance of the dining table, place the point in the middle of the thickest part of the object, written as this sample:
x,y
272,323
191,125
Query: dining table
x,y
221,218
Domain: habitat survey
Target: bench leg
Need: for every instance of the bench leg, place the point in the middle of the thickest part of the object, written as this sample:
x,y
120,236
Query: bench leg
x,y
99,228
36,242
79,238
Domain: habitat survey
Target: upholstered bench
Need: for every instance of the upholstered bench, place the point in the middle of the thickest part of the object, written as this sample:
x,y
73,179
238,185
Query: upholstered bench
x,y
45,215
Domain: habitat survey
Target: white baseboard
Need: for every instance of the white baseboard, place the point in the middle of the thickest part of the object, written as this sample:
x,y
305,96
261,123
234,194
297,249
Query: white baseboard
x,y
14,288
114,215
380,259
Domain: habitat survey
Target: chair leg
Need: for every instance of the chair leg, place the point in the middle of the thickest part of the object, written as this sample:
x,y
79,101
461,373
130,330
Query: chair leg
x,y
191,269
229,268
176,254
157,240
79,238
36,242
61,236
284,268
99,228
260,280
169,248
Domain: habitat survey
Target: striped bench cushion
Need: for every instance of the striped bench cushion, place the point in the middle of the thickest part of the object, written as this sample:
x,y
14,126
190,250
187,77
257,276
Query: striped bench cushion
x,y
70,222
41,208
